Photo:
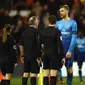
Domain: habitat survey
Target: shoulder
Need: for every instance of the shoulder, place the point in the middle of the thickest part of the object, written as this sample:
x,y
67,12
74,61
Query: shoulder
x,y
84,38
77,38
25,32
73,21
58,22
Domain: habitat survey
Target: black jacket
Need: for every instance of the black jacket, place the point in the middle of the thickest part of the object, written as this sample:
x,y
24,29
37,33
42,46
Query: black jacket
x,y
29,42
50,37
7,49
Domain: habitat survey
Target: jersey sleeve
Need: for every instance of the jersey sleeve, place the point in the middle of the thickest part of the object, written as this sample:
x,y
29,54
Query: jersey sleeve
x,y
21,40
74,37
56,25
12,48
60,45
39,42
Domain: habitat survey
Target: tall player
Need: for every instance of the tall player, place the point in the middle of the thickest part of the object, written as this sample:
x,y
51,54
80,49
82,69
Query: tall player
x,y
68,28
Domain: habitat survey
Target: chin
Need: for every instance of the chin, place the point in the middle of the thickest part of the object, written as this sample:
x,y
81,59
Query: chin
x,y
62,17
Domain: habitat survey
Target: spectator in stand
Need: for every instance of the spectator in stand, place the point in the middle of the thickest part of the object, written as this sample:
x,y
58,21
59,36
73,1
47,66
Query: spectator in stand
x,y
81,17
30,3
52,5
75,11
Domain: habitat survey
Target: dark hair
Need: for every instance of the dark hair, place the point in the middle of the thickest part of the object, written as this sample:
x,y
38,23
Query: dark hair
x,y
52,19
64,6
80,34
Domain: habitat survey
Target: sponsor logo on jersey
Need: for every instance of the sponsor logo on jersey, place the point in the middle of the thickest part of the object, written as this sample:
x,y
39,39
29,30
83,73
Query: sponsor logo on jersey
x,y
80,46
67,33
68,26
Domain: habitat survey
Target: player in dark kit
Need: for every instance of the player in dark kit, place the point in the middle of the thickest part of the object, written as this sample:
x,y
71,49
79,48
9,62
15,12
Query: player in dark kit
x,y
52,62
28,49
7,54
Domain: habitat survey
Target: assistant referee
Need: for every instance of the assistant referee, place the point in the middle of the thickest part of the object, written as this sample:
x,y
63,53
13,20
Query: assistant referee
x,y
7,54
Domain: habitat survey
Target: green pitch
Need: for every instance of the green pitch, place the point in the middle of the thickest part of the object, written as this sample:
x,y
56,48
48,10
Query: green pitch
x,y
17,81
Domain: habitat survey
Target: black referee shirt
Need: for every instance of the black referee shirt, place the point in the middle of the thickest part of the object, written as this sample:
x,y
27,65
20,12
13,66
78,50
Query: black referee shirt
x,y
29,42
50,37
7,49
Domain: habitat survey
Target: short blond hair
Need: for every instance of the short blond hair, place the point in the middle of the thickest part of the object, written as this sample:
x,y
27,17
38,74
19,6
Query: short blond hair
x,y
32,20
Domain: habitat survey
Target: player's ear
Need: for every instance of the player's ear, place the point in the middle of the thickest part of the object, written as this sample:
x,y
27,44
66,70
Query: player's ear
x,y
36,22
68,11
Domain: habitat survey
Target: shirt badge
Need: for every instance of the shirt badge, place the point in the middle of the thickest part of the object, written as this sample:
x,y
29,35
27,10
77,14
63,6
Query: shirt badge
x,y
68,26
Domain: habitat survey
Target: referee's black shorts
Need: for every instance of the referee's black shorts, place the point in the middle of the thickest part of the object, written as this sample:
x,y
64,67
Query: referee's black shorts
x,y
31,66
51,62
7,67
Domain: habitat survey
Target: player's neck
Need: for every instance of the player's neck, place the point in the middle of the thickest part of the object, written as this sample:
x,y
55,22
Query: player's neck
x,y
66,18
33,26
51,25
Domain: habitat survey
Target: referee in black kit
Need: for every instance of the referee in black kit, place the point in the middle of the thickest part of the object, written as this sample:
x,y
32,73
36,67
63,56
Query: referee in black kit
x,y
7,54
52,62
28,50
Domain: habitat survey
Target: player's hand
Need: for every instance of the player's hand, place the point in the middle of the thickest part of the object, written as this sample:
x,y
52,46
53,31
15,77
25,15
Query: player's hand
x,y
22,59
39,61
68,55
63,61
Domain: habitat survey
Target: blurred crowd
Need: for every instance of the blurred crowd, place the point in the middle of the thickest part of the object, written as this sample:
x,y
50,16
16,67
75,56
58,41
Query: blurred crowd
x,y
17,13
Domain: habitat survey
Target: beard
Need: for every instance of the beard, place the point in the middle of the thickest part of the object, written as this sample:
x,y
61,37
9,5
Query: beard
x,y
62,16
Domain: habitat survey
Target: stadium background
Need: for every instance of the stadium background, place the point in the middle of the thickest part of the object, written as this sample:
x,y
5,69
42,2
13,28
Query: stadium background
x,y
17,13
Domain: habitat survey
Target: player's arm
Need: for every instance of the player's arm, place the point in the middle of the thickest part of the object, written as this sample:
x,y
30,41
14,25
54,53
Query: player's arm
x,y
74,37
12,49
22,49
39,48
56,26
60,46
21,53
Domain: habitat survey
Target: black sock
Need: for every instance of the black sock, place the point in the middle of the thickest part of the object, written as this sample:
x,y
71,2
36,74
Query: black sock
x,y
53,80
24,81
7,82
33,80
45,81
2,82
80,75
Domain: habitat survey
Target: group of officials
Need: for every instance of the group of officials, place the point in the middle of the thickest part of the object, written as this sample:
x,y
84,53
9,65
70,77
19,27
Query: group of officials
x,y
57,41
